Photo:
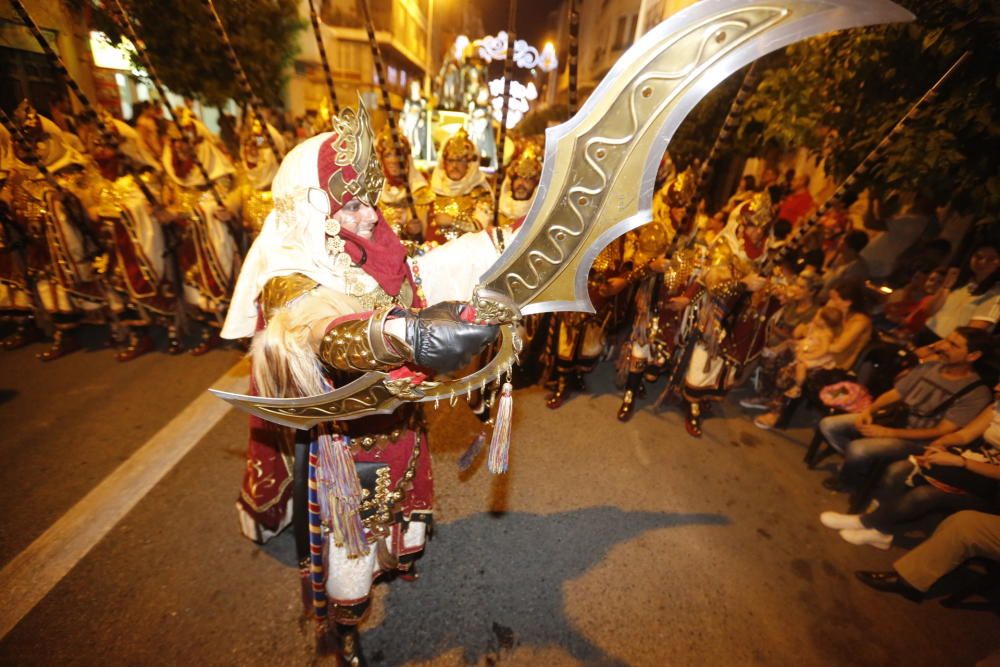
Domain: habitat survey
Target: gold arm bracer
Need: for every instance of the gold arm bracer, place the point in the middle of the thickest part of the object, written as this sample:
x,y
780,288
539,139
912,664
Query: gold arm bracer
x,y
360,345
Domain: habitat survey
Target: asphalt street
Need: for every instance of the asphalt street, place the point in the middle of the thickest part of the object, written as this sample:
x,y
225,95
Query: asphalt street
x,y
605,544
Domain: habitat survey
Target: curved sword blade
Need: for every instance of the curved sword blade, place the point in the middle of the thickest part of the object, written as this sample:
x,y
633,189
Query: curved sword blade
x,y
597,179
599,168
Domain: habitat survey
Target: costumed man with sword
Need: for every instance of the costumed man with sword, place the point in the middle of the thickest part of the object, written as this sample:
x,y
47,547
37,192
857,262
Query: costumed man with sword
x,y
341,303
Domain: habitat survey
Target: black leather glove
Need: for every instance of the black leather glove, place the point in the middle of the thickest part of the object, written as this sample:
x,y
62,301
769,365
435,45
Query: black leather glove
x,y
442,341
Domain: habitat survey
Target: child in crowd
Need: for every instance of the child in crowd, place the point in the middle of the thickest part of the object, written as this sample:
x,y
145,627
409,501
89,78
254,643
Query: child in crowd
x,y
813,351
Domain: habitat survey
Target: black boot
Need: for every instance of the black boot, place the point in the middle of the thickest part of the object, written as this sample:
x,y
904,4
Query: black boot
x,y
562,392
63,342
26,332
350,646
692,418
633,386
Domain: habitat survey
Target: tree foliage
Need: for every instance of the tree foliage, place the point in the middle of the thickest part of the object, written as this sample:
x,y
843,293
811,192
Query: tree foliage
x,y
839,95
189,57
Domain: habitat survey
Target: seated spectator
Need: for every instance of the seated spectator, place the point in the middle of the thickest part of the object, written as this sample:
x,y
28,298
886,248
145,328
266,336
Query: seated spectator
x,y
899,232
780,232
852,300
848,266
940,397
948,475
799,202
916,318
797,309
967,534
901,302
976,304
812,351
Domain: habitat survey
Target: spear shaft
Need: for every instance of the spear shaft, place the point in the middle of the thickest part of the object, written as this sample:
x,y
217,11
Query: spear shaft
x,y
574,52
241,75
397,145
873,157
124,21
314,19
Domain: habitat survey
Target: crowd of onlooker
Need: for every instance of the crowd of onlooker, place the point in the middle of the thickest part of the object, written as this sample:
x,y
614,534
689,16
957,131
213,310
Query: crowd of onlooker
x,y
887,330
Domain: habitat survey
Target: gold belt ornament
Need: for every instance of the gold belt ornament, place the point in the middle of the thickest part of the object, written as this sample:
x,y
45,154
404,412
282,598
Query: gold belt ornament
x,y
588,193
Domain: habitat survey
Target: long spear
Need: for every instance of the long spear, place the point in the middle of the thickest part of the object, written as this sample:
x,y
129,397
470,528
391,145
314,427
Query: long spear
x,y
314,18
873,157
508,67
574,52
397,145
124,22
241,76
90,111
747,87
860,171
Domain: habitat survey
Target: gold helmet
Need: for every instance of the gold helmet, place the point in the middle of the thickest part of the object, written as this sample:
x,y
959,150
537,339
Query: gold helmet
x,y
681,189
253,134
29,121
527,165
348,163
460,147
757,211
386,147
186,124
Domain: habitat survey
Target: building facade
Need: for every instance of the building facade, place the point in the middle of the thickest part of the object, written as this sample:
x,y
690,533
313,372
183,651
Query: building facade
x,y
401,30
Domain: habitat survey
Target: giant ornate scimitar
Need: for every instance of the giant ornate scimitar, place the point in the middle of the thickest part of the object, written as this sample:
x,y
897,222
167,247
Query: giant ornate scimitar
x,y
597,179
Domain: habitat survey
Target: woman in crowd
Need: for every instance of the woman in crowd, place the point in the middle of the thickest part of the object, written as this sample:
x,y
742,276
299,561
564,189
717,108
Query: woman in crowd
x,y
852,300
976,304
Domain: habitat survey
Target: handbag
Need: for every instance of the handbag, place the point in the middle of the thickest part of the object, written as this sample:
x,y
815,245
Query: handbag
x,y
894,415
897,415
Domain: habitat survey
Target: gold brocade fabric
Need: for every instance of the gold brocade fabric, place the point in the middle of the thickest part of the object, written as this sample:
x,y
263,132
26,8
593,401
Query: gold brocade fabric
x,y
396,212
462,210
257,204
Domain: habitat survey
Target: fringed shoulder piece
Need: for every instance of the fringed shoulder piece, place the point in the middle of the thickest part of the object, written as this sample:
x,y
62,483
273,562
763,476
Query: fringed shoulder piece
x,y
280,291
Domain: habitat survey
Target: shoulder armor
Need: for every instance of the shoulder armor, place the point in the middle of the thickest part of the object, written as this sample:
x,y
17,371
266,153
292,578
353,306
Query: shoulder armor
x,y
280,291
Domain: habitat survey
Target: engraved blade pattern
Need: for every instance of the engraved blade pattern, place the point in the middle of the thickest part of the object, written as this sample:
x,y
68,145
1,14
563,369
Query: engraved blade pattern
x,y
599,168
597,178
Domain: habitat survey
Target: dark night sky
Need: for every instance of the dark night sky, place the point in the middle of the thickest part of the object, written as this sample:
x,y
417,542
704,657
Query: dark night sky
x,y
533,20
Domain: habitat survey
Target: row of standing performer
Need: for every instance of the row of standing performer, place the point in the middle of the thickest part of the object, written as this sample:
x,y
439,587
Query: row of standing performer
x,y
97,229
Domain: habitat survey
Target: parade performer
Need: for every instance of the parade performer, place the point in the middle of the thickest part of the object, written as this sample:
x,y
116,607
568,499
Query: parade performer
x,y
138,261
581,337
209,251
329,291
258,165
463,198
61,241
18,299
659,309
399,171
723,310
518,187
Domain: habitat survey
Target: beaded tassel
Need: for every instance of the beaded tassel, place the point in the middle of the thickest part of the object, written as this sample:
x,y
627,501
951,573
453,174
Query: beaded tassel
x,y
341,494
500,444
